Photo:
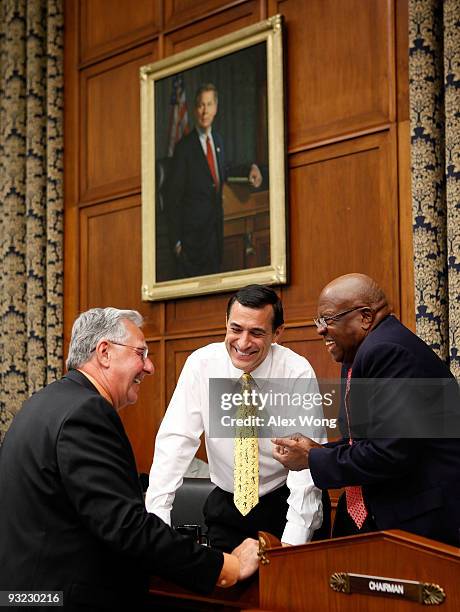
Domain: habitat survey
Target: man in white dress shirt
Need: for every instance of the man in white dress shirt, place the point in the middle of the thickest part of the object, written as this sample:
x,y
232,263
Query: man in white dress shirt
x,y
289,504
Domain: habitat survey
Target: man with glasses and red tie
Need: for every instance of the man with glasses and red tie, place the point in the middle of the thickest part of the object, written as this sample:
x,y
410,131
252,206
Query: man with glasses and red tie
x,y
399,458
193,192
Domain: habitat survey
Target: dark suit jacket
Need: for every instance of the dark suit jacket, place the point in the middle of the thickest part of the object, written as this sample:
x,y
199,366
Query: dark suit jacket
x,y
72,515
408,483
194,206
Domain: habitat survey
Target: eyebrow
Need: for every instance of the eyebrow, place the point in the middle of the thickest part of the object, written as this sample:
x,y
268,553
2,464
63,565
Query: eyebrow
x,y
251,329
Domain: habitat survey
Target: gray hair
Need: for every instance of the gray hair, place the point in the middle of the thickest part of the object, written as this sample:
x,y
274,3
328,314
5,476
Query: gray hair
x,y
93,325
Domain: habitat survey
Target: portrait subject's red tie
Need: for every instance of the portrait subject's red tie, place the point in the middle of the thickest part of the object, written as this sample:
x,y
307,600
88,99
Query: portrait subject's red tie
x,y
356,507
211,163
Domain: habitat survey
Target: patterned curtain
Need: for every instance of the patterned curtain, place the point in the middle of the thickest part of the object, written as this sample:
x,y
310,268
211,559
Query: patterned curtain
x,y
434,75
31,201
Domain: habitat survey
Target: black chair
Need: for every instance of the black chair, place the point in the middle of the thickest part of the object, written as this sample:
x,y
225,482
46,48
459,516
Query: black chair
x,y
189,501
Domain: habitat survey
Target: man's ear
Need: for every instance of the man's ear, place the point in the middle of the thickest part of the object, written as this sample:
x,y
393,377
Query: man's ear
x,y
278,333
367,316
102,352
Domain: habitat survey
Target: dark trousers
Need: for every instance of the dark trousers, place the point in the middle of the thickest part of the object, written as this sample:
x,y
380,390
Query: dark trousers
x,y
344,525
227,527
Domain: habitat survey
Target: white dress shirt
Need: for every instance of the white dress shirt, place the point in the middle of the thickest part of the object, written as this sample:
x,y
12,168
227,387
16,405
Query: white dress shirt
x,y
188,416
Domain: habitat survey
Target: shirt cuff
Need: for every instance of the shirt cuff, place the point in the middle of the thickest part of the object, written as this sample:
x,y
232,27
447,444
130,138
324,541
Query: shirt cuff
x,y
296,534
165,515
229,572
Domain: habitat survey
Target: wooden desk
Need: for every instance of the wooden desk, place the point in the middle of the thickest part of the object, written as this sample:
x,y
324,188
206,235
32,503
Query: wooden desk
x,y
242,596
246,228
298,578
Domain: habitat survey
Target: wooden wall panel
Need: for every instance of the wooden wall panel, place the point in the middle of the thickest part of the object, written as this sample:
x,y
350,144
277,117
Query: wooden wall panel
x,y
344,213
108,26
215,26
177,352
180,12
143,419
110,137
305,341
185,316
110,264
340,72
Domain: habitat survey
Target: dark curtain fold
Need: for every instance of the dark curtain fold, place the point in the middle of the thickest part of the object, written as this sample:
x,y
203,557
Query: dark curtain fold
x,y
31,219
434,89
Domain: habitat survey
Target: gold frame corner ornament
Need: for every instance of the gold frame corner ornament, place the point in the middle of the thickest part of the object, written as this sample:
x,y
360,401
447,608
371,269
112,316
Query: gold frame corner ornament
x,y
269,31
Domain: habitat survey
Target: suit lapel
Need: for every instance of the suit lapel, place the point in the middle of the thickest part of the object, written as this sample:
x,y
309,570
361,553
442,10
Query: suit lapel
x,y
220,156
200,155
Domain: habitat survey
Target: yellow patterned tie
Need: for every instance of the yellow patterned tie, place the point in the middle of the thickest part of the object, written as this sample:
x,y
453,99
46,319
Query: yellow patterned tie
x,y
246,456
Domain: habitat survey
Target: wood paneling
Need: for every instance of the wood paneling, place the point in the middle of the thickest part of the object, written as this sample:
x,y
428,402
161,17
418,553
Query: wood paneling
x,y
180,12
185,316
143,419
344,213
110,264
340,74
108,26
177,352
110,138
215,26
305,341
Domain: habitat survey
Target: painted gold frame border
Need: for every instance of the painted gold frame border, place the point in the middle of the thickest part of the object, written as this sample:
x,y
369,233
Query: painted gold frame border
x,y
270,31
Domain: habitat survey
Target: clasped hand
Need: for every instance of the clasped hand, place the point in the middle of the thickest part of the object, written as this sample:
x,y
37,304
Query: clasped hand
x,y
293,452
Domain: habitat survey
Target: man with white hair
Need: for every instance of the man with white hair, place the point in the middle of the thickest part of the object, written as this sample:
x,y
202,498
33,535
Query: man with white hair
x,y
72,515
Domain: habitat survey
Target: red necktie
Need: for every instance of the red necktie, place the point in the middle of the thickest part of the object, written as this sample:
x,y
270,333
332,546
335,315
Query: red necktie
x,y
211,164
354,495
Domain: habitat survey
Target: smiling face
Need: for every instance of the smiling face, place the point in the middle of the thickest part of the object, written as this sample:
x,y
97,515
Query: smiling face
x,y
127,368
343,336
250,335
205,109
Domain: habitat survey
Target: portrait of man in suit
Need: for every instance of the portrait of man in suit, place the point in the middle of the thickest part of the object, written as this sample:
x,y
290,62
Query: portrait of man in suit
x,y
193,191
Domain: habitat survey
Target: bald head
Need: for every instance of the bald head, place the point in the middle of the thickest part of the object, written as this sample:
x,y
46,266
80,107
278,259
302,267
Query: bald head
x,y
354,289
349,307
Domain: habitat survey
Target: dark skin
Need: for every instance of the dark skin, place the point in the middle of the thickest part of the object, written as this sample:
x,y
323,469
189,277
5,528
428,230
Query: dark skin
x,y
342,337
293,452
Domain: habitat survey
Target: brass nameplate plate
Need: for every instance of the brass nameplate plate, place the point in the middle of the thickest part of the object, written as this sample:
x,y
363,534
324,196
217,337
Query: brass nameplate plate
x,y
421,592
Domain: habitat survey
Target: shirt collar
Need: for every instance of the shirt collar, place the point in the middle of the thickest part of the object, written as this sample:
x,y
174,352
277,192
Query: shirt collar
x,y
202,134
262,370
99,387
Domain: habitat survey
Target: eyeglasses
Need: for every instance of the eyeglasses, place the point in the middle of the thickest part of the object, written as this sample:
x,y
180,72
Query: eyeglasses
x,y
324,321
142,351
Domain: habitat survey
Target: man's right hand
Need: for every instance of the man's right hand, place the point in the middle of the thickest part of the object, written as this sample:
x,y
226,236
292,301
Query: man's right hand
x,y
246,553
294,452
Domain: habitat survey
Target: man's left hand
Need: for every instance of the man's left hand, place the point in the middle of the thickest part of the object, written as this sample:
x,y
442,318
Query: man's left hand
x,y
255,176
293,452
247,554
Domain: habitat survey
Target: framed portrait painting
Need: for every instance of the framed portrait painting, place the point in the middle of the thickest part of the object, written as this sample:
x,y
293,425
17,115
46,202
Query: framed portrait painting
x,y
213,166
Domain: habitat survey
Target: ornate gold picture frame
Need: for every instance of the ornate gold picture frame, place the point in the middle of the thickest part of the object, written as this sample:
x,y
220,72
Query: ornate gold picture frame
x,y
213,209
